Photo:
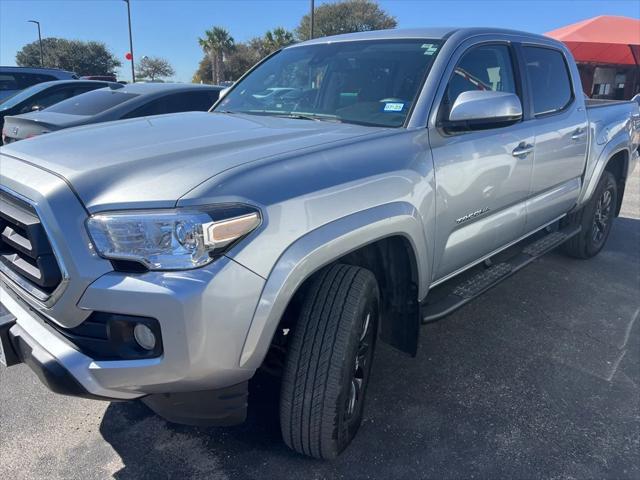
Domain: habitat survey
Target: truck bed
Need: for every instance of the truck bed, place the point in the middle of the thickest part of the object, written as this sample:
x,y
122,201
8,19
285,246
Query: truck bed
x,y
596,102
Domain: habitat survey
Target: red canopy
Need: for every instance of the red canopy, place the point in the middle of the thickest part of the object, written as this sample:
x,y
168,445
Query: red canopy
x,y
605,39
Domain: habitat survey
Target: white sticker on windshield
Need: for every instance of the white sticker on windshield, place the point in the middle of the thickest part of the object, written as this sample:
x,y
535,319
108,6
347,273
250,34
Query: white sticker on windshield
x,y
429,48
393,107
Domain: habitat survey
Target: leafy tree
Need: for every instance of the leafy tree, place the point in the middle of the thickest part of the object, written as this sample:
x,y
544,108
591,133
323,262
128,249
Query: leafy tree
x,y
216,43
239,61
345,17
154,68
83,58
204,73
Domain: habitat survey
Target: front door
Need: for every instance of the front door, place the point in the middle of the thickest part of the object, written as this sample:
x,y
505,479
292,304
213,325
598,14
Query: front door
x,y
482,178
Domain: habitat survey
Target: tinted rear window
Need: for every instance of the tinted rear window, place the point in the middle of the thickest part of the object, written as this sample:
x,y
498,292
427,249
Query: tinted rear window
x,y
92,103
549,79
27,79
23,95
8,81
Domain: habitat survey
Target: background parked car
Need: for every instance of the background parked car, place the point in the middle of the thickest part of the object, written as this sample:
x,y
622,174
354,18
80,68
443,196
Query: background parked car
x,y
114,103
43,95
14,79
106,78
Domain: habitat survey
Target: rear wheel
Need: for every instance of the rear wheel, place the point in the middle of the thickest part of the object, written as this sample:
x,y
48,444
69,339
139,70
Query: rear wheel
x,y
329,361
596,219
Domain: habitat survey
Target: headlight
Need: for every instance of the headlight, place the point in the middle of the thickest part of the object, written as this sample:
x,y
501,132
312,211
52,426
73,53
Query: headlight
x,y
177,239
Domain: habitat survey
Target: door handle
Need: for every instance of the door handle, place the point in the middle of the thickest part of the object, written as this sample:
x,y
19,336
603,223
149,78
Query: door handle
x,y
522,150
578,134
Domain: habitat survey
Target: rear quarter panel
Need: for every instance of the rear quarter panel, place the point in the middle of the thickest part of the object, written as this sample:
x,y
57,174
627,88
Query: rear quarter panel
x,y
613,128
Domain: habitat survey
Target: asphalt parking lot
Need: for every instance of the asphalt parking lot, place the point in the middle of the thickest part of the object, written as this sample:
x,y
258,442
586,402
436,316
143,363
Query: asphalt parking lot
x,y
539,378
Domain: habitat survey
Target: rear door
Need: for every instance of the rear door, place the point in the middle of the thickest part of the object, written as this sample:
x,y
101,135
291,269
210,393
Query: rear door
x,y
482,179
561,135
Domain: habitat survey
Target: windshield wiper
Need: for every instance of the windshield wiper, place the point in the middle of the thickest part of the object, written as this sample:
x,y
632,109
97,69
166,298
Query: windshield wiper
x,y
293,115
309,116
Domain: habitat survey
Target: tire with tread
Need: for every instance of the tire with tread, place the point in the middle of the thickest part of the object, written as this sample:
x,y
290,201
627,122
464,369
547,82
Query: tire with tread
x,y
318,371
583,245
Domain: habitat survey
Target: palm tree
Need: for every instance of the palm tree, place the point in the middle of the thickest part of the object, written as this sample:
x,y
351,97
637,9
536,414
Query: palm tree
x,y
216,43
277,38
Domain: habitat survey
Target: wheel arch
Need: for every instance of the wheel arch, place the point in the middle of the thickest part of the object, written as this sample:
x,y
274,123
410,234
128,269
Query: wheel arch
x,y
615,158
618,165
395,231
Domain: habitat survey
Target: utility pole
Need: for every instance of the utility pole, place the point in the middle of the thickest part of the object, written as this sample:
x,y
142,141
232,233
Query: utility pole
x,y
133,72
312,14
39,41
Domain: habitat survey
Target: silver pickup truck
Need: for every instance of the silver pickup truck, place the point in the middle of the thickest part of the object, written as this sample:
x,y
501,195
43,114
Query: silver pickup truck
x,y
345,189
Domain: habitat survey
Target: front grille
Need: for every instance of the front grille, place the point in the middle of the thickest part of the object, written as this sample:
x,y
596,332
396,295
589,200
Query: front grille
x,y
24,247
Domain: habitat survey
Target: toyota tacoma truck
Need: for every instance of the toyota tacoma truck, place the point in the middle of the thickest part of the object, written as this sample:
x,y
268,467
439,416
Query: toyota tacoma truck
x,y
394,177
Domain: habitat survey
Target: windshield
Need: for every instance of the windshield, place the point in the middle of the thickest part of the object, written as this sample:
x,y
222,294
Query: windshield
x,y
371,82
92,103
25,94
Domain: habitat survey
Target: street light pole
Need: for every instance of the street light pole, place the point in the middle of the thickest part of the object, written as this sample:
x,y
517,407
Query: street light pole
x,y
39,41
133,72
312,14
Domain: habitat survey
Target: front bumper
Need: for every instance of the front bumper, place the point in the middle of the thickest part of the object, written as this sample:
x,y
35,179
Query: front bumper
x,y
204,316
221,407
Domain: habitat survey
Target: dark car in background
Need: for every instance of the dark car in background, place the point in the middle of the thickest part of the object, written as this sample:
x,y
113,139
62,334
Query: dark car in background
x,y
106,78
114,103
45,94
14,79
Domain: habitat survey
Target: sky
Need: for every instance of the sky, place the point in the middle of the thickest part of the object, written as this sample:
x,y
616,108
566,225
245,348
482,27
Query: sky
x,y
170,28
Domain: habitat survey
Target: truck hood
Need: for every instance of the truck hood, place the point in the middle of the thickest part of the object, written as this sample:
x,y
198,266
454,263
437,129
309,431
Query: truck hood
x,y
151,162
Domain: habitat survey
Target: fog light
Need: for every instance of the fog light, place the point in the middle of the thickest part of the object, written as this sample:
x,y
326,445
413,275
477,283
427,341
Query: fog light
x,y
144,336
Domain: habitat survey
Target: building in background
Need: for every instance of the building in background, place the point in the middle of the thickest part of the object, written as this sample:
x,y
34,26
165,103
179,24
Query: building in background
x,y
607,51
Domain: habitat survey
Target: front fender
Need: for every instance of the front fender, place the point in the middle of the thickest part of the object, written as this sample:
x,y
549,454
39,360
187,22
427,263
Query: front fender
x,y
319,248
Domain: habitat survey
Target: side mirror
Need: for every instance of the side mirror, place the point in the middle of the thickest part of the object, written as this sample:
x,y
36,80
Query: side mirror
x,y
36,108
223,92
482,109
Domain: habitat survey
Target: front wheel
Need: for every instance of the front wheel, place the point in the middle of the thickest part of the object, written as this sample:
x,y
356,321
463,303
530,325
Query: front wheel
x,y
596,219
329,361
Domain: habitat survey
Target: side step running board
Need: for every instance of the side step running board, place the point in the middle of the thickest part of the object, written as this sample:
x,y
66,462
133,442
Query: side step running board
x,y
454,294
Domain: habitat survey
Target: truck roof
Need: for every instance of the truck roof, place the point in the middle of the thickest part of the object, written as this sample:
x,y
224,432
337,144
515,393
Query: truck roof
x,y
434,33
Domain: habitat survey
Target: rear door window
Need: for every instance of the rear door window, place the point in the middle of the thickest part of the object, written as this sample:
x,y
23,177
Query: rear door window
x,y
8,81
155,107
189,102
52,97
92,103
549,79
175,103
86,88
28,79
